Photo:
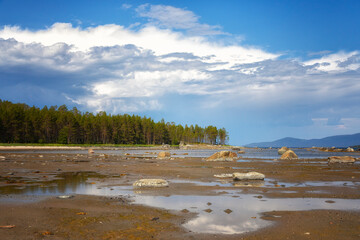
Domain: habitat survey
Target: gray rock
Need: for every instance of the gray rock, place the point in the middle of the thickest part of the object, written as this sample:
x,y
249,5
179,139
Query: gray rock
x,y
248,176
151,183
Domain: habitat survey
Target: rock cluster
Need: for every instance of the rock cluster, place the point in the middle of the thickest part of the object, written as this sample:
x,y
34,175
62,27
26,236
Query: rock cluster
x,y
151,183
222,156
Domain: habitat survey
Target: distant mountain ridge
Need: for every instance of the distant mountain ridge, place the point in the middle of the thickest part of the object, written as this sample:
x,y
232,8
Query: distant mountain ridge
x,y
341,141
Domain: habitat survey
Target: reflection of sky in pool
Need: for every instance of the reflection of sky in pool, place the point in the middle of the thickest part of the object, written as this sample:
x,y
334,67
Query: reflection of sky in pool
x,y
245,209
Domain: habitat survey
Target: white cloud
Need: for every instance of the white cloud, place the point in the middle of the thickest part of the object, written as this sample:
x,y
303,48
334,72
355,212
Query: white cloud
x,y
161,41
336,62
113,68
126,6
177,18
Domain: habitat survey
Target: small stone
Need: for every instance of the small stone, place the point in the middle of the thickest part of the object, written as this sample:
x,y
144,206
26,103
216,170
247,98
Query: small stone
x,y
228,211
65,196
151,183
208,210
184,211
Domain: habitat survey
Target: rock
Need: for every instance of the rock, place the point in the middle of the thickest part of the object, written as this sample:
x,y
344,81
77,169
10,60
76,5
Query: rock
x,y
248,176
349,149
65,196
224,175
162,155
90,151
222,156
241,152
228,211
282,150
2,157
289,154
151,183
235,149
342,159
166,146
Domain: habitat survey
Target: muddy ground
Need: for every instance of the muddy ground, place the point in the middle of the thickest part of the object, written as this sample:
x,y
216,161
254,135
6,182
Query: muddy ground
x,y
99,217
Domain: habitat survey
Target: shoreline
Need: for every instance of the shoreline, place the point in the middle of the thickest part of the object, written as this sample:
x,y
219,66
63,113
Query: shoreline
x,y
188,177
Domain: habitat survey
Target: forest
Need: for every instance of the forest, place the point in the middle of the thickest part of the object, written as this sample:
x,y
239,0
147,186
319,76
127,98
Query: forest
x,y
20,123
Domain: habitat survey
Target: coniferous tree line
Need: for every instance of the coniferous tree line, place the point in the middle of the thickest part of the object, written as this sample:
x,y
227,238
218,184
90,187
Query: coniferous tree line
x,y
20,123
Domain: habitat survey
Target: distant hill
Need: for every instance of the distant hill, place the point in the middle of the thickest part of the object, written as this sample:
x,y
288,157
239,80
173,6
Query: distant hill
x,y
340,141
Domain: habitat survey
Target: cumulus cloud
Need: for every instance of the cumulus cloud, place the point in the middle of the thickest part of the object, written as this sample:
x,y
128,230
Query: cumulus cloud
x,y
177,18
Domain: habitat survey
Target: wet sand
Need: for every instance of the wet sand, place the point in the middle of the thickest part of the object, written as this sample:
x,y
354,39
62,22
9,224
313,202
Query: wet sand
x,y
101,217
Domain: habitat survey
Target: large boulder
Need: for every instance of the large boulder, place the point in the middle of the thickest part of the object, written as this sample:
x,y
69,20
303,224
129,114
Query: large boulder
x,y
163,155
248,176
222,156
289,154
341,159
349,149
282,150
151,183
90,151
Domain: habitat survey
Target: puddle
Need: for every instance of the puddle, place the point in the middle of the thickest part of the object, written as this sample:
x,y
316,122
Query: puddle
x,y
269,183
62,184
246,210
231,212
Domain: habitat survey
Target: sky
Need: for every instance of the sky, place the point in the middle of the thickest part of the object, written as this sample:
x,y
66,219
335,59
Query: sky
x,y
262,69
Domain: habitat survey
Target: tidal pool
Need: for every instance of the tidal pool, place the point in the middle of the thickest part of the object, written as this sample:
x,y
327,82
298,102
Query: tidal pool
x,y
230,212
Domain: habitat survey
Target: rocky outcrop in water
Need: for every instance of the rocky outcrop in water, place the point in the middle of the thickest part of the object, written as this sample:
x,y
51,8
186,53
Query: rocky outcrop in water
x,y
349,149
90,151
289,154
248,176
222,156
341,159
282,150
151,183
163,155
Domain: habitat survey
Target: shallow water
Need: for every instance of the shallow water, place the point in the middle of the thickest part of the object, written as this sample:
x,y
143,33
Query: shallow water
x,y
265,154
228,213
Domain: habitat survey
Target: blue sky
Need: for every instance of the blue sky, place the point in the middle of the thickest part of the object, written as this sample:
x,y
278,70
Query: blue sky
x,y
261,69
